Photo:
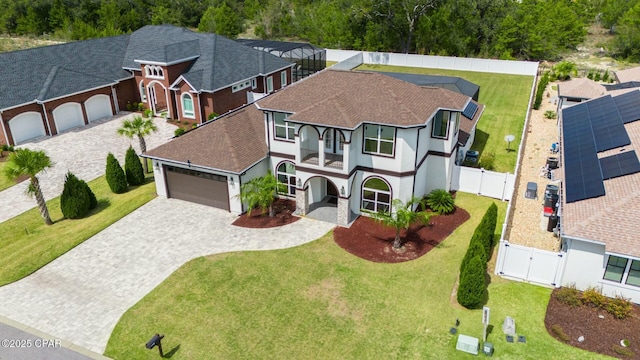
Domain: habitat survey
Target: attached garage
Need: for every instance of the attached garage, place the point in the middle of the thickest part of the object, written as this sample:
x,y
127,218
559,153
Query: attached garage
x,y
67,116
198,187
26,126
98,107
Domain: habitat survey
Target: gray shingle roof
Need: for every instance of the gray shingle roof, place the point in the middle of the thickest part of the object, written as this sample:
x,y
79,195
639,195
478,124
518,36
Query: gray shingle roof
x,y
452,83
27,74
220,61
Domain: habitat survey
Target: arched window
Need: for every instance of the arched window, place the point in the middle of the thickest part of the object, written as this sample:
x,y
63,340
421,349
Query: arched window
x,y
376,195
187,106
286,173
153,71
143,92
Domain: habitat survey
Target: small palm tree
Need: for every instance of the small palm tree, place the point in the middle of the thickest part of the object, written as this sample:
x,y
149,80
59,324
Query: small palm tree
x,y
441,201
138,127
28,162
401,217
261,192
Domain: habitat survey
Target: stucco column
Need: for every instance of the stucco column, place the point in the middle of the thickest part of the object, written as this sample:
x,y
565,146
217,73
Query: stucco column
x,y
343,211
302,202
321,152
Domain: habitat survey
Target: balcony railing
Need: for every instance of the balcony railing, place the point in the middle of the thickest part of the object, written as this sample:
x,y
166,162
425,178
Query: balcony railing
x,y
310,156
333,160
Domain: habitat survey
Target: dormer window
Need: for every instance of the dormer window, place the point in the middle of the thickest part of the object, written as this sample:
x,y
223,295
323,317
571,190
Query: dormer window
x,y
441,121
153,71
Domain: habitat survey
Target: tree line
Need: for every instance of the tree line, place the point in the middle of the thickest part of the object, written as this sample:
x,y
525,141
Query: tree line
x,y
506,29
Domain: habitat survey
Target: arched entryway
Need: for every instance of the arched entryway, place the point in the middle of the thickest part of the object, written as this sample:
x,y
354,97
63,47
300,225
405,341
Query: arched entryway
x,y
322,195
157,98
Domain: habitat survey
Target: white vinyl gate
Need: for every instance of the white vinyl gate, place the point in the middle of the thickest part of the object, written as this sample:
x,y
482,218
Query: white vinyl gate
x,y
528,264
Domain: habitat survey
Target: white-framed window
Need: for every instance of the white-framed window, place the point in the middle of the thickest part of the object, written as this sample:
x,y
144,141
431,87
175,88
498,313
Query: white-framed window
x,y
254,83
154,71
187,106
143,92
270,84
376,195
286,173
240,86
440,127
284,130
379,139
283,79
622,270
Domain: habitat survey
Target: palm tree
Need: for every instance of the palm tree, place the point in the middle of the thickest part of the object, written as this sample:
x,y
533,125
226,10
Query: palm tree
x,y
401,217
138,127
261,192
28,162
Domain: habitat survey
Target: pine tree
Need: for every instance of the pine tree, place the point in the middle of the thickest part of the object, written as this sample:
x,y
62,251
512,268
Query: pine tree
x,y
115,175
133,168
93,202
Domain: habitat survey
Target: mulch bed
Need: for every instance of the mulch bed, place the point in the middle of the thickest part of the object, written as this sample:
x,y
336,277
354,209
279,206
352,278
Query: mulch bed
x,y
370,240
284,215
601,335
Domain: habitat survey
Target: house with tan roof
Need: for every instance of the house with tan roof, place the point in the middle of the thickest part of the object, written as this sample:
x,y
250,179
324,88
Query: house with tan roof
x,y
628,75
600,202
349,140
175,72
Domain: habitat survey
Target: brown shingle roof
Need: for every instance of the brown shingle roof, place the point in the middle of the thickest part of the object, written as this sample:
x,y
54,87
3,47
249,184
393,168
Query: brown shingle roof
x,y
627,75
611,219
582,88
232,143
345,99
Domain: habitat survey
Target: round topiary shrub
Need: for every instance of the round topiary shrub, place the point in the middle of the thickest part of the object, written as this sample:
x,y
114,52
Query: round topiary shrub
x,y
178,132
75,200
133,168
115,175
472,284
441,201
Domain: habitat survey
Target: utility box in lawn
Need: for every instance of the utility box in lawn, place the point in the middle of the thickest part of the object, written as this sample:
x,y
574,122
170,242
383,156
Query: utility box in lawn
x,y
509,326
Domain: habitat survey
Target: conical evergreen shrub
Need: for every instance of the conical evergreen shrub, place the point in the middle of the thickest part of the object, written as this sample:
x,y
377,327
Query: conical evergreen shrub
x,y
75,200
93,202
115,175
133,168
472,284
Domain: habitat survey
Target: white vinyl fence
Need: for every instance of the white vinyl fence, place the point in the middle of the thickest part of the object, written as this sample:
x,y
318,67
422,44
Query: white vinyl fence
x,y
438,62
537,266
483,182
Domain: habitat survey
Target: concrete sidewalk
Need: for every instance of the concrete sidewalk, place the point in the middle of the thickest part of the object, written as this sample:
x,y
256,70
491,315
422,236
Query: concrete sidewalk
x,y
83,151
80,296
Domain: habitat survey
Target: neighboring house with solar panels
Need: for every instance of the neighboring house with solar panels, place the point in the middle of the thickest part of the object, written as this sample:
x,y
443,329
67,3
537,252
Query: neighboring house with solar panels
x,y
346,140
600,208
175,72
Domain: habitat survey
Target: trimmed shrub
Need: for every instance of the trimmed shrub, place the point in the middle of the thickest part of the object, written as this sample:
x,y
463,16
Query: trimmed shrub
x,y
569,295
211,116
133,168
75,200
550,114
475,250
619,307
622,351
472,284
148,113
115,175
140,106
559,333
93,202
542,85
441,201
487,161
593,297
178,132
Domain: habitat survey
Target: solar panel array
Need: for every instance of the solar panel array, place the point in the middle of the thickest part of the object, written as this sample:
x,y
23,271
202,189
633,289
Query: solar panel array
x,y
608,128
625,163
628,106
470,110
583,179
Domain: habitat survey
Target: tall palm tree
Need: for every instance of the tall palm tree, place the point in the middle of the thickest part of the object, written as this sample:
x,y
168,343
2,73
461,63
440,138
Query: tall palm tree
x,y
138,127
29,162
261,192
401,217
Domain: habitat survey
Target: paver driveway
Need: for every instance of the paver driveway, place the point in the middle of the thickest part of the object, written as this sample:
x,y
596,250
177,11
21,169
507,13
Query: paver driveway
x,y
83,151
80,296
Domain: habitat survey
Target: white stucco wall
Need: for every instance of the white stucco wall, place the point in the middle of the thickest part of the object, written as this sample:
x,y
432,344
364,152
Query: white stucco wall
x,y
439,171
259,169
158,175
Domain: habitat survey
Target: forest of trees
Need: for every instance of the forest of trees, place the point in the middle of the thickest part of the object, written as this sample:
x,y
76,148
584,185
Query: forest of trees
x,y
506,29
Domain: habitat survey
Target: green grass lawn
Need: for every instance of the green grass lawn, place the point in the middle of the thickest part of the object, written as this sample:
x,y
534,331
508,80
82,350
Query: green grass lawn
x,y
27,244
318,302
506,98
4,182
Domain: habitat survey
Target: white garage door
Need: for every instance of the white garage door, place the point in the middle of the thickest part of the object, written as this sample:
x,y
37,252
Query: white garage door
x,y
67,116
26,126
98,107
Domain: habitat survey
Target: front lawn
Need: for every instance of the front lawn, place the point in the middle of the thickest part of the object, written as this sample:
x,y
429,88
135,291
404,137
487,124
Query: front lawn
x,y
5,183
27,244
318,302
505,97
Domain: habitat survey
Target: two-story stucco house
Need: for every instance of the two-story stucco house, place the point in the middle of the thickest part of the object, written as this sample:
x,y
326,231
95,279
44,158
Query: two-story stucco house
x,y
352,140
175,72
